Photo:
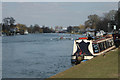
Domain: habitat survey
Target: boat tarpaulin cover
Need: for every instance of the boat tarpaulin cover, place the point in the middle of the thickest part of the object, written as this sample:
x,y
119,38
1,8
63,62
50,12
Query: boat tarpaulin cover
x,y
82,48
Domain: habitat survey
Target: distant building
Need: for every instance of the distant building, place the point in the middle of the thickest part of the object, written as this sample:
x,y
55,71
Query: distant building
x,y
64,30
76,29
58,29
69,29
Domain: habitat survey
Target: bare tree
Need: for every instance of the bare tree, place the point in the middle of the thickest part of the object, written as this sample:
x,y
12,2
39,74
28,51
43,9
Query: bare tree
x,y
92,21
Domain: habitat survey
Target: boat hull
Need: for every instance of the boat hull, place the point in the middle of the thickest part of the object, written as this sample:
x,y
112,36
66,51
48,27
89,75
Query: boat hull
x,y
84,49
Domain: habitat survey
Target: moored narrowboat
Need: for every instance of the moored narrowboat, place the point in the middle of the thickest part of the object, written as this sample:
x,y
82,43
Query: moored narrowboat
x,y
85,49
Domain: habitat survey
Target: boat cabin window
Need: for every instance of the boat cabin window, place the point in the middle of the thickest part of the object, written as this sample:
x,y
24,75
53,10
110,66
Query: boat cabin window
x,y
95,48
111,43
106,44
101,46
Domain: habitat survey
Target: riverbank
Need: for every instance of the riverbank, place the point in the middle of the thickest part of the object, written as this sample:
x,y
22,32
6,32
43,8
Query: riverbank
x,y
98,67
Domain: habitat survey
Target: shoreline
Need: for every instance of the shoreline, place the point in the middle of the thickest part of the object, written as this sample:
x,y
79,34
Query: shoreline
x,y
108,69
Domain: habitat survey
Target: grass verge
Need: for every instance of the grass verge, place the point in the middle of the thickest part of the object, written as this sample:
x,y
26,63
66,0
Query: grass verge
x,y
98,67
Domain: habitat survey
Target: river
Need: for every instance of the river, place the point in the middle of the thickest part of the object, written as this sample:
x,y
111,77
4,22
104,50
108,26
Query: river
x,y
36,55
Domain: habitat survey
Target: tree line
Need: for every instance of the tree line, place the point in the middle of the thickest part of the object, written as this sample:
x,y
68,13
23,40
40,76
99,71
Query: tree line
x,y
105,22
10,28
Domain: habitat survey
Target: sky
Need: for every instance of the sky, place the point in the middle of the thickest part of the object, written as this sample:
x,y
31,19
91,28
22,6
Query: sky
x,y
59,0
55,13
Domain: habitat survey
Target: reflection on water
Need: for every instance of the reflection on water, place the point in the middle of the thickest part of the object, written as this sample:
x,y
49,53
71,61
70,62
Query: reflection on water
x,y
36,55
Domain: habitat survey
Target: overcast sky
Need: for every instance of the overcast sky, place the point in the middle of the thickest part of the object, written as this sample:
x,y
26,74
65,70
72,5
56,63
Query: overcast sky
x,y
55,13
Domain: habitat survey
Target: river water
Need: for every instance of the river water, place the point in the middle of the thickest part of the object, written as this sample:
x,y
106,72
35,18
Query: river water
x,y
36,55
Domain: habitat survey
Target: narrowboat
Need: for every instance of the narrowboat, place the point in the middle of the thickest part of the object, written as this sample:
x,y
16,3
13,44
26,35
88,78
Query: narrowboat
x,y
85,49
116,37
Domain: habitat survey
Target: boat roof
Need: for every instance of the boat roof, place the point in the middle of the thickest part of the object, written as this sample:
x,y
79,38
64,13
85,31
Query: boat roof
x,y
101,39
